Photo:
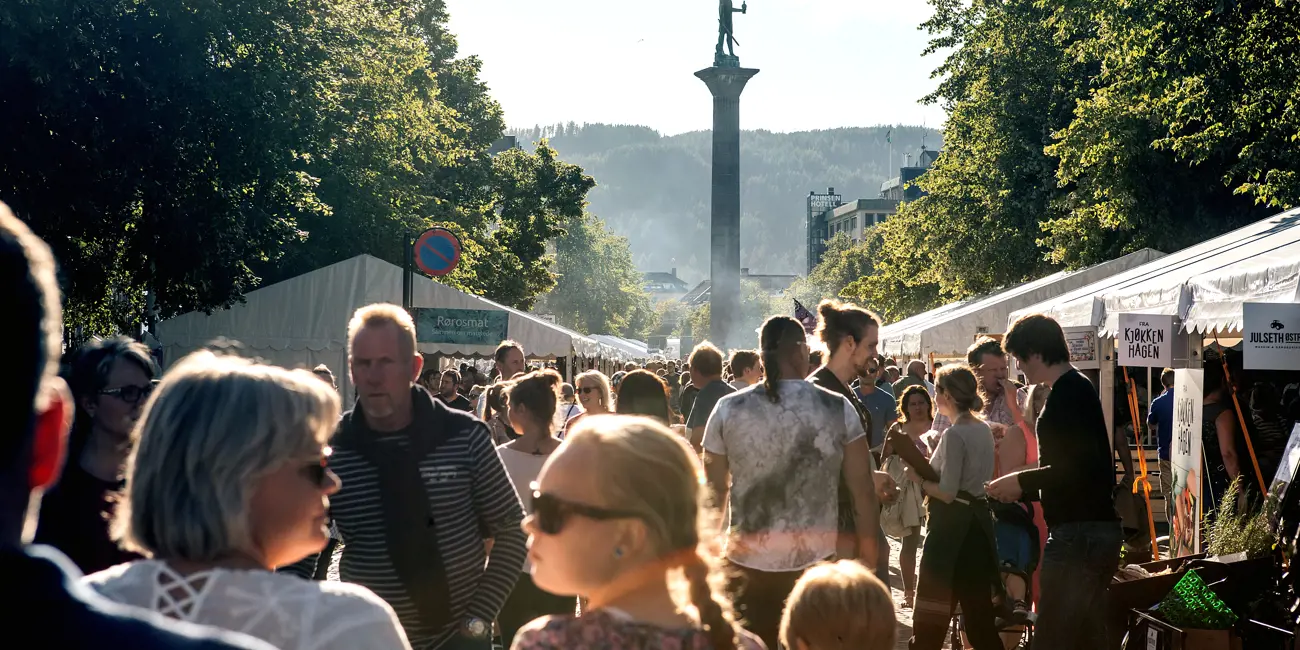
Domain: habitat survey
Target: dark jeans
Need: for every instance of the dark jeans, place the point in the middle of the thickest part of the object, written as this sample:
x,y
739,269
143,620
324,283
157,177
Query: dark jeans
x,y
760,597
527,602
458,642
972,590
1080,559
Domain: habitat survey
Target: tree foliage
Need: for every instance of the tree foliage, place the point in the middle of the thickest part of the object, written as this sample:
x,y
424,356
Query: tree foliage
x,y
1081,131
756,305
598,289
843,263
197,149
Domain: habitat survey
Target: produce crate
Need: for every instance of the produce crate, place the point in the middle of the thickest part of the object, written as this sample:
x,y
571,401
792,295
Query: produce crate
x,y
1147,632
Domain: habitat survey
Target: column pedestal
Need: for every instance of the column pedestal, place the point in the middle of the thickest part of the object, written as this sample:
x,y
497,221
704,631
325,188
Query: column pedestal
x,y
725,84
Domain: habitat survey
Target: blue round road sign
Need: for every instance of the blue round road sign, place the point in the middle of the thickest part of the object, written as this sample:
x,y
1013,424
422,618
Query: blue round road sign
x,y
437,251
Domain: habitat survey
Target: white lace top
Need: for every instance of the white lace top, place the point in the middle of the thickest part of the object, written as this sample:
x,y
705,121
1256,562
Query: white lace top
x,y
286,611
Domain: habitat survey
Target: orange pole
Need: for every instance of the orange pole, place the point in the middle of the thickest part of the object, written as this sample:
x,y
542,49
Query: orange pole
x,y
1241,419
1142,479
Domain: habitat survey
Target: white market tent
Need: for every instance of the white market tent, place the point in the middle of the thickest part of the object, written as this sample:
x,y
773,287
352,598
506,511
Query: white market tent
x,y
302,321
629,349
1204,285
948,331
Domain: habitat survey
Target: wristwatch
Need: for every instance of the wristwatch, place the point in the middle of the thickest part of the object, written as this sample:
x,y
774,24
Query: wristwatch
x,y
476,628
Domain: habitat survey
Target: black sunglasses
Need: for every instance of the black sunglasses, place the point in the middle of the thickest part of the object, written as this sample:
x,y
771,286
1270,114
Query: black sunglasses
x,y
553,513
131,394
589,389
318,471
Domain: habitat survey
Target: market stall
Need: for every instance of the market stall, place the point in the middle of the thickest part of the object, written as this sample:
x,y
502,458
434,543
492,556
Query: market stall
x,y
948,331
303,321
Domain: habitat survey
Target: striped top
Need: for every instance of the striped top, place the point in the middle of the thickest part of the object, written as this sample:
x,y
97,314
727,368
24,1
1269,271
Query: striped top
x,y
470,496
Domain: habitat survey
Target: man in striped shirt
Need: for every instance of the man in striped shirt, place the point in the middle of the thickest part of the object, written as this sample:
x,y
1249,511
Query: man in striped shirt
x,y
423,490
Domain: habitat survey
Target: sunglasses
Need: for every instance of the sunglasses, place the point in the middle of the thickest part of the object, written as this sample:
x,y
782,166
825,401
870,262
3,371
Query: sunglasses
x,y
131,394
553,513
318,472
589,389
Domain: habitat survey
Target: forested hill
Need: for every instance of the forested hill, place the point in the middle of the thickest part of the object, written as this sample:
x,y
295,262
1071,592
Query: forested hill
x,y
654,189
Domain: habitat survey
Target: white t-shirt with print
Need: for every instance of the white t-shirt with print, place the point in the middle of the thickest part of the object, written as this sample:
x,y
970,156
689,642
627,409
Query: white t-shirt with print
x,y
785,460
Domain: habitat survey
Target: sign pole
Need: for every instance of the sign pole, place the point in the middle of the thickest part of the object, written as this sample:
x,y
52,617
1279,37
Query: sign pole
x,y
407,258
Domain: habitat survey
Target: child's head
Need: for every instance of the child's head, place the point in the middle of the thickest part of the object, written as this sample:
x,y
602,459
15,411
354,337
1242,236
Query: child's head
x,y
838,605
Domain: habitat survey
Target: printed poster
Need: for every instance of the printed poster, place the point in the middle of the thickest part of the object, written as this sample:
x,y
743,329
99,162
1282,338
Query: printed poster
x,y
1270,336
1185,536
1145,340
1082,343
1286,470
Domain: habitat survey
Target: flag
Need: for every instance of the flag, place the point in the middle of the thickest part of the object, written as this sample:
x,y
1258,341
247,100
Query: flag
x,y
888,135
806,317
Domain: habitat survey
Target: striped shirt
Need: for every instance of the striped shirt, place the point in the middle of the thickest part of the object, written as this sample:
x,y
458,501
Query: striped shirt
x,y
470,496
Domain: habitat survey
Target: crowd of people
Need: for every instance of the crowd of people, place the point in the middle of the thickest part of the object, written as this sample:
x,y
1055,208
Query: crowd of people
x,y
723,502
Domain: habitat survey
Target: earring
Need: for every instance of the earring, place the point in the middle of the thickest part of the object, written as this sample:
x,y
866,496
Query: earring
x,y
618,551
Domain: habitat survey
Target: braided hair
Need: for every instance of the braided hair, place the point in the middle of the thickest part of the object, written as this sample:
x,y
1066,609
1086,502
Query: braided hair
x,y
779,333
647,469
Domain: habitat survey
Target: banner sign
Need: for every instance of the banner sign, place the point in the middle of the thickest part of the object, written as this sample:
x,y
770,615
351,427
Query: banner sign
x,y
1270,335
1286,470
1082,343
1185,458
1145,340
463,326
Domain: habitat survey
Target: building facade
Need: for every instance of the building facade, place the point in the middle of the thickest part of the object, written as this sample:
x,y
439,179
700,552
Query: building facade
x,y
855,217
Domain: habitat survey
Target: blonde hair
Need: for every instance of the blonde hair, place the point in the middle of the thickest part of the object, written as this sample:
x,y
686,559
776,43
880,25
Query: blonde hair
x,y
646,469
839,605
214,427
384,313
602,382
959,384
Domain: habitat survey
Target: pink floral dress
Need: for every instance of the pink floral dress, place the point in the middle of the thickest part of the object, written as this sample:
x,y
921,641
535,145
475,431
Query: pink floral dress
x,y
601,629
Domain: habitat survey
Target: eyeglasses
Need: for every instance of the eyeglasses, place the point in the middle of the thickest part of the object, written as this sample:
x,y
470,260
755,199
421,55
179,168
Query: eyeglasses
x,y
318,472
131,394
553,513
589,389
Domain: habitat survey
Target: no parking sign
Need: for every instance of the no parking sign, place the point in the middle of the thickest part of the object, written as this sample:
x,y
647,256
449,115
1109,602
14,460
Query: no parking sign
x,y
436,251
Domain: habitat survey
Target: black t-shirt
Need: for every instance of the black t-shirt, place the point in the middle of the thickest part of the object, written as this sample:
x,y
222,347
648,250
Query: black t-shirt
x,y
75,518
706,400
1076,478
460,403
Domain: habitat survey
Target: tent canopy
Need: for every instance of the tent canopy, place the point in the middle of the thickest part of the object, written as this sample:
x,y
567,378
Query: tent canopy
x,y
949,331
1204,284
303,321
628,349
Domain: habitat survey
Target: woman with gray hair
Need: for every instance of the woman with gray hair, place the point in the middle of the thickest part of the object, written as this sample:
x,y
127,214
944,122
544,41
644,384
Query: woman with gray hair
x,y
227,481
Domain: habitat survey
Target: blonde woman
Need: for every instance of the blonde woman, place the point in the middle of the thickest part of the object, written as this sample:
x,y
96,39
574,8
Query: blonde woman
x,y
619,519
594,395
227,481
839,605
958,562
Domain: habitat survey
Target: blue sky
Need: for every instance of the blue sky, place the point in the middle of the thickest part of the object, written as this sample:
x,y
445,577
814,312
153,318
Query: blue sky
x,y
825,63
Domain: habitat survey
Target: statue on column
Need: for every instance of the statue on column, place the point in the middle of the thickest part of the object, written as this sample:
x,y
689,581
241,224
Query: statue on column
x,y
727,32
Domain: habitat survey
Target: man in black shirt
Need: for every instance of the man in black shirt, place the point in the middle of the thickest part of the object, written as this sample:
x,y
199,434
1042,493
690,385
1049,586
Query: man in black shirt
x,y
46,606
706,374
1075,481
448,392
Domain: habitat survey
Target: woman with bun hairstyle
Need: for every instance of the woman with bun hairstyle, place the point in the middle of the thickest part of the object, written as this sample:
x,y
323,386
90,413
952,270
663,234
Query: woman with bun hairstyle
x,y
530,403
959,561
619,519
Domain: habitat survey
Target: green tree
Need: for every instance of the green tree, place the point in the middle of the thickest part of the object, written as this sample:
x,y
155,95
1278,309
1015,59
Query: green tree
x,y
756,306
844,263
598,289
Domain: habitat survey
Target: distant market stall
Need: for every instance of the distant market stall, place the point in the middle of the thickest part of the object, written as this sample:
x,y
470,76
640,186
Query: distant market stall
x,y
302,321
948,331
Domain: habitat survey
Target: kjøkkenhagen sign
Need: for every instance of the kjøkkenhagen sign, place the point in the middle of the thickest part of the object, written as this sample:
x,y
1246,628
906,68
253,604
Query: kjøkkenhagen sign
x,y
462,326
1270,336
1145,340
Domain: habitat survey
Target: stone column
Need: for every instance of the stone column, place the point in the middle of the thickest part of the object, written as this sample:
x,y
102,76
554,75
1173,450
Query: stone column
x,y
726,84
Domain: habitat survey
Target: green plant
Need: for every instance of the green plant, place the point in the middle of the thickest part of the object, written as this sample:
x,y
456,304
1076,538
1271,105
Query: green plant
x,y
1237,531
